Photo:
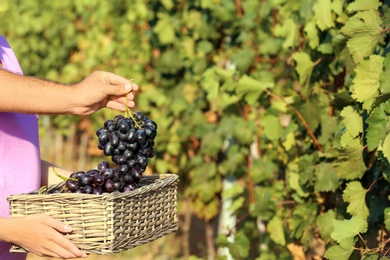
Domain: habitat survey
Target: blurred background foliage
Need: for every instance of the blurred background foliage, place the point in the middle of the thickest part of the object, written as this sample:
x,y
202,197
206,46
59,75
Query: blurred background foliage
x,y
247,96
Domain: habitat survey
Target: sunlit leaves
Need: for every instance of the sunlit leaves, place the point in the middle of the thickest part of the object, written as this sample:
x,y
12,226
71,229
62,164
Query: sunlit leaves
x,y
355,195
364,32
366,84
323,14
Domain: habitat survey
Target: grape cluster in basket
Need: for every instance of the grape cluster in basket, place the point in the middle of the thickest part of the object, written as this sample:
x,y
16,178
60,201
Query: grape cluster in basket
x,y
129,141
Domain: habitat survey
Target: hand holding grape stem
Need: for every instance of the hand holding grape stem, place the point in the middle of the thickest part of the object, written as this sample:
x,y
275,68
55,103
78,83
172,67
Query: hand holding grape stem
x,y
25,94
41,235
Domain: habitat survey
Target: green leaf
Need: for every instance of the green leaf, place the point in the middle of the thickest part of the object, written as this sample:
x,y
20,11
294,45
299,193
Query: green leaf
x,y
272,128
386,214
304,69
349,228
355,195
326,178
338,252
275,228
164,29
366,84
251,88
350,164
323,14
352,120
377,124
293,183
324,223
385,77
363,5
386,147
289,30
312,34
363,31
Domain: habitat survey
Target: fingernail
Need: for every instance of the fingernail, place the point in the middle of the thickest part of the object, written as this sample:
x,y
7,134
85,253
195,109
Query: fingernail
x,y
128,87
67,228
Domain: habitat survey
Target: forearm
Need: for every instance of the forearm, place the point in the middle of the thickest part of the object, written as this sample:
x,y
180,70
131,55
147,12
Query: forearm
x,y
48,176
26,94
5,230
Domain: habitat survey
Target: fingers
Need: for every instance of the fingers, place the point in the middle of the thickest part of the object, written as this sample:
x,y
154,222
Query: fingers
x,y
119,85
62,246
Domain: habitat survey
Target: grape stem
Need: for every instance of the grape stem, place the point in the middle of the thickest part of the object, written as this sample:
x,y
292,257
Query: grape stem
x,y
129,113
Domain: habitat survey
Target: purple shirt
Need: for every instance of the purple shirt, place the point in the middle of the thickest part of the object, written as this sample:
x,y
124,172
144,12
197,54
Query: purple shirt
x,y
19,151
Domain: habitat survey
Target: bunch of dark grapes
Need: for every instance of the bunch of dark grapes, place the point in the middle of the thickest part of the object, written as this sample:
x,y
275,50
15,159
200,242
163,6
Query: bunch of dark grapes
x,y
129,142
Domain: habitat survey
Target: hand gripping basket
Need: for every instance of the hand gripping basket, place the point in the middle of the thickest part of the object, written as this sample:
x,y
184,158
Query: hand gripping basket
x,y
111,222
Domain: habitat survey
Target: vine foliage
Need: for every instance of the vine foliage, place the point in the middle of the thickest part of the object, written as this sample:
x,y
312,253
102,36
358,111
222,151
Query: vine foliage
x,y
285,101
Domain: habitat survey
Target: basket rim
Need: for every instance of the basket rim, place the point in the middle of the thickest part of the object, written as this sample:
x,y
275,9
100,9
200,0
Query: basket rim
x,y
166,180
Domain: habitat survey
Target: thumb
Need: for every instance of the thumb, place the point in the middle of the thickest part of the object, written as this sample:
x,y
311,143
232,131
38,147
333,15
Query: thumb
x,y
118,90
58,225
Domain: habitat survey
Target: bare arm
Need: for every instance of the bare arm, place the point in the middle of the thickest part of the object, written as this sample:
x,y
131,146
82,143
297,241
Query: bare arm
x,y
26,94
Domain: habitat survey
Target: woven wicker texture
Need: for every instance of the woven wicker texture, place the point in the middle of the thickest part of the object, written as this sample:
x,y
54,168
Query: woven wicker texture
x,y
112,222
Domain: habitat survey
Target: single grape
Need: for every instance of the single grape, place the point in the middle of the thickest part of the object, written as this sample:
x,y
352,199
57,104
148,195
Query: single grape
x,y
72,185
98,180
109,185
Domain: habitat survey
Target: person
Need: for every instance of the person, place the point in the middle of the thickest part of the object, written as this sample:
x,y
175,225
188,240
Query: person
x,y
22,99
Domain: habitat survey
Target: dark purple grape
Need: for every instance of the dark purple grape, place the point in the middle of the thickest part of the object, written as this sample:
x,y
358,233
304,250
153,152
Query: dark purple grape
x,y
108,173
139,116
132,146
114,139
128,178
86,189
130,135
109,185
78,174
151,124
117,175
128,154
123,168
98,180
122,160
103,137
100,130
141,160
122,146
124,125
119,185
140,135
97,190
118,118
111,127
108,149
85,179
131,163
103,165
92,172
129,187
72,185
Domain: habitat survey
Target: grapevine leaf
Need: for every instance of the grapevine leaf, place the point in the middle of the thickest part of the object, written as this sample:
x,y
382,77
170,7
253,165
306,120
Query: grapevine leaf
x,y
340,252
251,88
348,228
304,69
323,14
275,228
386,147
362,5
164,29
385,77
363,31
324,223
355,195
366,84
312,34
350,164
289,30
387,218
326,178
377,124
352,121
293,182
272,128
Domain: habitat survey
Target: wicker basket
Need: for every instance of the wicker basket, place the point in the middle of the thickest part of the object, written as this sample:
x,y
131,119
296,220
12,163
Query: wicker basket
x,y
108,223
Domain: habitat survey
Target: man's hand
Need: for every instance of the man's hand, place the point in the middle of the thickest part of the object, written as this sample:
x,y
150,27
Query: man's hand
x,y
103,89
